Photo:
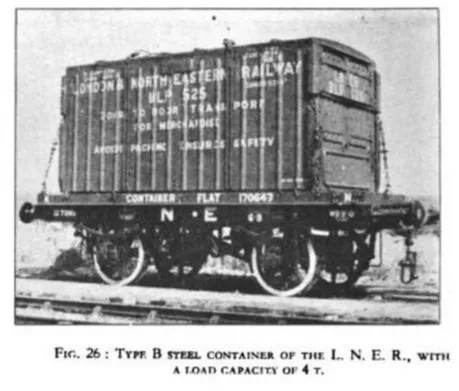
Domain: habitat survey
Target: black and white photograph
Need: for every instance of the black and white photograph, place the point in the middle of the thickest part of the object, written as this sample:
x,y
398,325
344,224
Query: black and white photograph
x,y
228,198
227,167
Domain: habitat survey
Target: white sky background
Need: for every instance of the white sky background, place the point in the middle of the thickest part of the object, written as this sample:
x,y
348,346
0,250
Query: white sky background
x,y
404,45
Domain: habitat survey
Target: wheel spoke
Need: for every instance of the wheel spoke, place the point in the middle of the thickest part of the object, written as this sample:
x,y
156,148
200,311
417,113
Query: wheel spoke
x,y
285,267
119,261
339,262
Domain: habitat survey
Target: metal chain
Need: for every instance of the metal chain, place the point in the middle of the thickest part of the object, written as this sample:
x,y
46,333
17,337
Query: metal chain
x,y
383,151
50,161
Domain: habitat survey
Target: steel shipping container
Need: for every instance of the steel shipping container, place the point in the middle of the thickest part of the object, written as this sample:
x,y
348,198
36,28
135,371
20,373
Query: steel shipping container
x,y
276,116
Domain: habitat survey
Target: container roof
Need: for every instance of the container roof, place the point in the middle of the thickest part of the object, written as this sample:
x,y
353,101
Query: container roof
x,y
321,41
342,48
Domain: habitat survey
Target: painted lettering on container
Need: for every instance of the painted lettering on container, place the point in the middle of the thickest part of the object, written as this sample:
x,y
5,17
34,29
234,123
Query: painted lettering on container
x,y
153,198
197,145
255,198
271,70
108,149
210,122
94,87
206,108
209,75
201,145
162,84
349,85
201,108
208,198
190,124
136,148
255,142
248,104
111,115
159,97
139,148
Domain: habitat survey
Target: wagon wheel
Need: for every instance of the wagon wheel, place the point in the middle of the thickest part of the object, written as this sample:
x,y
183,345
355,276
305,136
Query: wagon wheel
x,y
285,266
340,263
119,261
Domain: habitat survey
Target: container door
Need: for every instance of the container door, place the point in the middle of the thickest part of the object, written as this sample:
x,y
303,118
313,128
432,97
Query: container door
x,y
347,145
347,117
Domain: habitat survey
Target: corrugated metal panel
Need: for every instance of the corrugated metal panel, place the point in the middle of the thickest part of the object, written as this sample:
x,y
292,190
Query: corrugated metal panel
x,y
94,124
267,116
232,119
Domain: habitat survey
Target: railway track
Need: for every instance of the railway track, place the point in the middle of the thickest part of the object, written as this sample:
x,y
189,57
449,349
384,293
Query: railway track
x,y
58,311
399,294
246,284
51,302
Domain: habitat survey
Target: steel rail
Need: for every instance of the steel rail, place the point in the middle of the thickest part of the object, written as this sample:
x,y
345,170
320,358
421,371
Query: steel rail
x,y
44,310
361,292
51,310
397,294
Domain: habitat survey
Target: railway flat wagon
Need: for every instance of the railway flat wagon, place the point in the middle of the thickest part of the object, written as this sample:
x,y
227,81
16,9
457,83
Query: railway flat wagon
x,y
268,152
